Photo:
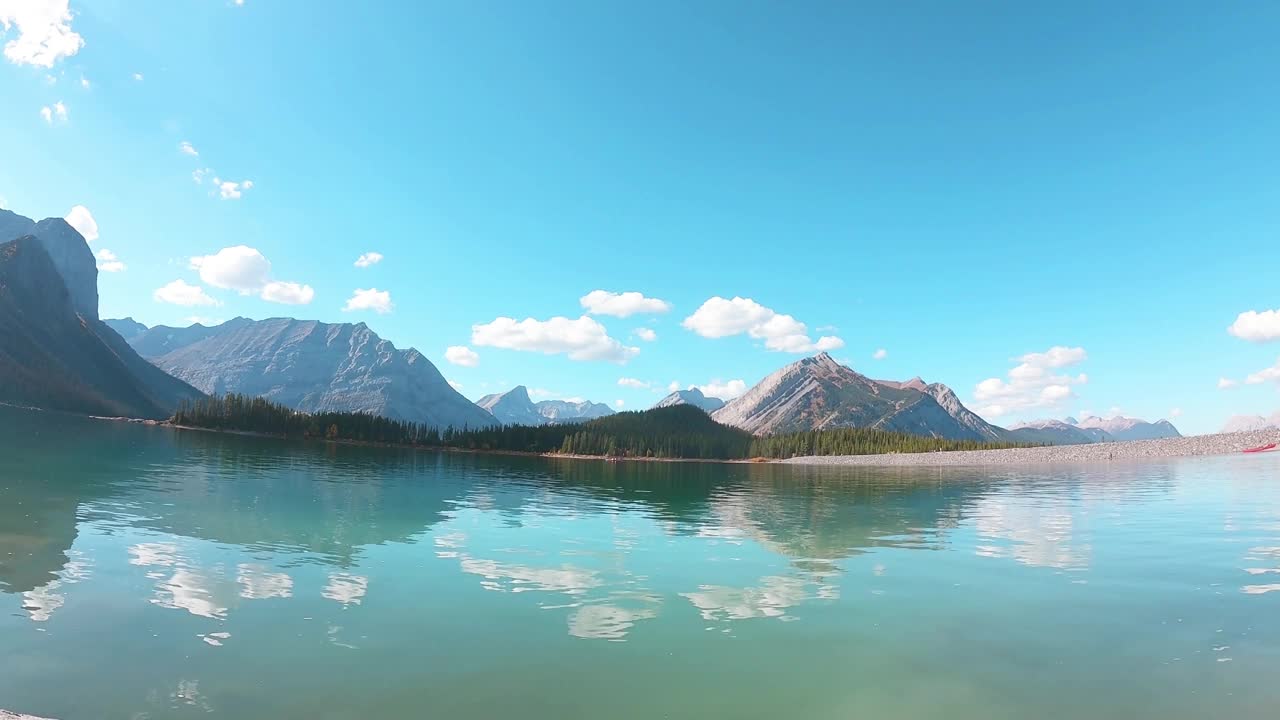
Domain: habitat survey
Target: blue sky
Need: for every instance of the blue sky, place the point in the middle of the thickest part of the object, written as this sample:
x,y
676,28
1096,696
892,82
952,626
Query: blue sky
x,y
965,186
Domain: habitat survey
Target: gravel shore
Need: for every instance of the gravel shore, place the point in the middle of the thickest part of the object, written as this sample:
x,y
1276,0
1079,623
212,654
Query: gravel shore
x,y
1224,444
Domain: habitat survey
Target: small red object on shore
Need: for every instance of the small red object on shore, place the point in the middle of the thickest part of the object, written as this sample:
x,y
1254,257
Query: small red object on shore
x,y
1262,448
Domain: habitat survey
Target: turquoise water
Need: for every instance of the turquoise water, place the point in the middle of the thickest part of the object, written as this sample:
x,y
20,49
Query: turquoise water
x,y
146,573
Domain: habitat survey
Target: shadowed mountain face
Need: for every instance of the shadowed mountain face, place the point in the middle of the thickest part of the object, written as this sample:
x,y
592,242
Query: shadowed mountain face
x,y
694,397
127,327
819,393
313,367
514,407
55,356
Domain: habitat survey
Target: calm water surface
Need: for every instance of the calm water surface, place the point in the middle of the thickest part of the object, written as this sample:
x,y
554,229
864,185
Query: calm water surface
x,y
151,574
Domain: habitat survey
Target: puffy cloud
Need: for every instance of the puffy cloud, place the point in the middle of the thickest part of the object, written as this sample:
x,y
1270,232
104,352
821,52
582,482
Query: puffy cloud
x,y
137,76
723,390
580,339
1226,383
601,302
288,293
1175,412
238,268
82,220
186,148
367,259
44,31
634,383
248,272
619,403
1271,374
1032,384
373,299
57,111
1257,326
228,190
455,385
179,292
108,262
645,334
462,355
673,386
84,82
719,318
880,354
199,174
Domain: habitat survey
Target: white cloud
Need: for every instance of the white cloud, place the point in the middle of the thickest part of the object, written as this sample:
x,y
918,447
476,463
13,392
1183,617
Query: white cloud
x,y
186,148
1257,326
1271,374
108,262
288,293
137,76
455,385
601,302
634,383
228,190
238,268
180,293
1031,384
719,318
619,403
367,259
248,272
82,220
1225,383
373,299
645,334
199,174
673,386
580,339
880,354
462,355
44,31
56,112
84,82
723,390
1175,412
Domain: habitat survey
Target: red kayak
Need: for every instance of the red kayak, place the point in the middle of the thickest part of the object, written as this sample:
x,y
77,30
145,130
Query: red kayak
x,y
1263,448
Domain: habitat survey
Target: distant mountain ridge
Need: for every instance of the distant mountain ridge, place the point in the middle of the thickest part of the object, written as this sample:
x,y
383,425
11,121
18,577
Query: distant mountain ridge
x,y
515,407
311,366
56,353
1244,423
818,393
1092,429
692,396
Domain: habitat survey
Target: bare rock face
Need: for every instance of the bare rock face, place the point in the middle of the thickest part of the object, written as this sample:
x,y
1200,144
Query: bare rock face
x,y
694,397
515,407
313,367
126,327
54,357
819,393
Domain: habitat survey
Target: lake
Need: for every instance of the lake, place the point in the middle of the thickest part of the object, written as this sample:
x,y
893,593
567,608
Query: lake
x,y
151,573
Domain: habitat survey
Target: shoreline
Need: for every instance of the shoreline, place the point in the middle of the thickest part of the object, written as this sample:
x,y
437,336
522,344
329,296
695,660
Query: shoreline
x,y
1192,446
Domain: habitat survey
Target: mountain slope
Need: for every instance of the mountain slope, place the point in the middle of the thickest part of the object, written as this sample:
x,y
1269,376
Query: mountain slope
x,y
1054,432
818,393
694,397
1244,423
126,328
313,367
515,407
55,358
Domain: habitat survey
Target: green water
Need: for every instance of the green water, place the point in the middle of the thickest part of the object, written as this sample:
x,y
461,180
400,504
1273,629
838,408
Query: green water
x,y
146,573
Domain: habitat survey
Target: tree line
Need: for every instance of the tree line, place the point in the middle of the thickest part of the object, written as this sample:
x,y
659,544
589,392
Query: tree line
x,y
678,432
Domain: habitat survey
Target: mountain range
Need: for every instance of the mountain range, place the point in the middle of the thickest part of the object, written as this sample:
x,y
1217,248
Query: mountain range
x,y
692,396
1092,429
819,393
56,353
515,407
1243,423
310,366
